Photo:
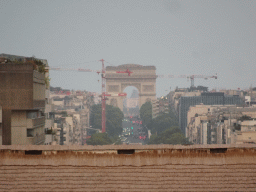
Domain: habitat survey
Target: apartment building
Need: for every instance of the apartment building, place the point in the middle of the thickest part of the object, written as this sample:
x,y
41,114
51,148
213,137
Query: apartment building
x,y
49,111
159,106
74,107
22,98
247,134
216,98
221,124
174,96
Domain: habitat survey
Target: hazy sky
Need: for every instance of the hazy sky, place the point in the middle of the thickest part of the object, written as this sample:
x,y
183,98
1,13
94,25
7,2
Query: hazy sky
x,y
177,36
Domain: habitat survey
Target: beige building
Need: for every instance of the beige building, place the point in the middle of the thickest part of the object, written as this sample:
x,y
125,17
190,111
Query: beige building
x,y
27,127
159,106
247,133
49,111
22,98
220,125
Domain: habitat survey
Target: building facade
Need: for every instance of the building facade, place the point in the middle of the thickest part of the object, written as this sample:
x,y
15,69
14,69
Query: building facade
x,y
218,124
216,98
22,98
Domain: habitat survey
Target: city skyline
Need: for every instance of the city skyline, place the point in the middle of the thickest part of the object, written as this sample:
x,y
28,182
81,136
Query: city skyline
x,y
179,38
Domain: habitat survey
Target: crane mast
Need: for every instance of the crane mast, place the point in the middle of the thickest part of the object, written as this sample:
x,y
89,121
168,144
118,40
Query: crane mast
x,y
103,88
103,98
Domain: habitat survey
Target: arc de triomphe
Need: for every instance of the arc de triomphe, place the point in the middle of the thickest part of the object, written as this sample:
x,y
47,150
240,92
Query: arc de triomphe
x,y
142,77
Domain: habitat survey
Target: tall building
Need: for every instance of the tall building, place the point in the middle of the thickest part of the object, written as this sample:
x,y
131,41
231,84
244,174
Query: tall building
x,y
22,98
216,98
159,106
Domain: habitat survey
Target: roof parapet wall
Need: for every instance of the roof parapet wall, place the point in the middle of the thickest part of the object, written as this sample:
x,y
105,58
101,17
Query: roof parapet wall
x,y
127,155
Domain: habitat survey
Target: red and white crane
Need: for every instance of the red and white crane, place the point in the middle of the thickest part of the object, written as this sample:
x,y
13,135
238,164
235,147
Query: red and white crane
x,y
103,88
127,71
191,77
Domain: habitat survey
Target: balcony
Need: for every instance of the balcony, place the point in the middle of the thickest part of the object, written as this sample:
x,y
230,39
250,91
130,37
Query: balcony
x,y
36,140
33,123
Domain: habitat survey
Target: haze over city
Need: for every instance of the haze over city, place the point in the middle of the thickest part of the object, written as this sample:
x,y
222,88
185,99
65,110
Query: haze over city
x,y
127,95
198,37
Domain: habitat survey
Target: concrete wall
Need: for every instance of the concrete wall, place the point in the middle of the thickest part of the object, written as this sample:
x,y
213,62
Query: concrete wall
x,y
38,86
58,103
246,137
150,168
19,127
17,92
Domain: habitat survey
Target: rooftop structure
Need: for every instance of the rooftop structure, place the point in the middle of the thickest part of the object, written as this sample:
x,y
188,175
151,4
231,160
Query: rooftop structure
x,y
22,87
128,168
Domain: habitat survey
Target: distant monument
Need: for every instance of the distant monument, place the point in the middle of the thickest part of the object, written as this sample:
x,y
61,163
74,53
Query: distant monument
x,y
142,77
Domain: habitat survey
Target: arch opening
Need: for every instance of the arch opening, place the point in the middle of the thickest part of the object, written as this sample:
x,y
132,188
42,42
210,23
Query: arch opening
x,y
131,105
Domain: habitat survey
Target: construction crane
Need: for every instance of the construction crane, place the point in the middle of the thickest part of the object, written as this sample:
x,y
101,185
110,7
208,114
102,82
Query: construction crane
x,y
127,71
189,77
103,88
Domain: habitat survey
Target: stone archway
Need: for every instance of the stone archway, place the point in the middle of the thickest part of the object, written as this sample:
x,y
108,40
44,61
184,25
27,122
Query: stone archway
x,y
142,77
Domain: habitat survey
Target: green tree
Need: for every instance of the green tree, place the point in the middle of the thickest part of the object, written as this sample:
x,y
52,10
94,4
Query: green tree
x,y
95,116
172,136
146,113
64,113
163,122
245,117
114,117
159,124
154,139
99,139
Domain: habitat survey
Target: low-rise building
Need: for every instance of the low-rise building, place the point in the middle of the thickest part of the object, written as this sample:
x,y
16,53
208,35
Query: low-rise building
x,y
247,133
220,125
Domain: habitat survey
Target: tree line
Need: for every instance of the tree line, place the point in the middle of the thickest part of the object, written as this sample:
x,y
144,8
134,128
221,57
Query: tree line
x,y
164,127
114,117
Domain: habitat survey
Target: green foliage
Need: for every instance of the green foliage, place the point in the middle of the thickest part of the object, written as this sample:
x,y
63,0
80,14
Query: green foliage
x,y
64,113
95,116
47,81
99,139
37,64
49,131
116,140
163,122
237,127
245,117
146,113
114,117
40,66
172,136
